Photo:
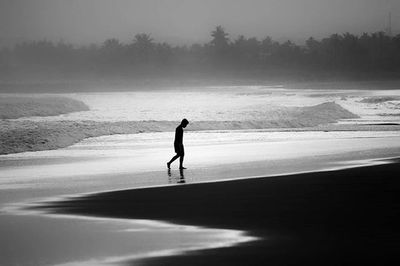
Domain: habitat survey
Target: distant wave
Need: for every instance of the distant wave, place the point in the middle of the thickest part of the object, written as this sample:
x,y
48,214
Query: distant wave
x,y
285,117
16,107
387,114
379,99
20,136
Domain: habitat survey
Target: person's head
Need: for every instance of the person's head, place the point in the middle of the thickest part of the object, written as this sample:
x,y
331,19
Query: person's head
x,y
184,122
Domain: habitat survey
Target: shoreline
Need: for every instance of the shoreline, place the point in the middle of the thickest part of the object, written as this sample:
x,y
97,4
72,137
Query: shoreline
x,y
343,216
37,205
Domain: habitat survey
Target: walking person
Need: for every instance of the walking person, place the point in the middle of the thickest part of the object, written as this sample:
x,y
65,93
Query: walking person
x,y
178,144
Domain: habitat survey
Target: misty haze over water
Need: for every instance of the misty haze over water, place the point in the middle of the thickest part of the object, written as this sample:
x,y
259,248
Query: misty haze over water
x,y
230,40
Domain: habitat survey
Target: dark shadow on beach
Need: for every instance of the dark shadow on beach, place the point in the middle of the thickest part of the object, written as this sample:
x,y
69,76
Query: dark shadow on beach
x,y
343,217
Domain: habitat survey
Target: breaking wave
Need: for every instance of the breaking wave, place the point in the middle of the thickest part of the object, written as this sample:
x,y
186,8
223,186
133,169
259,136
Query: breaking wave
x,y
16,107
20,136
379,99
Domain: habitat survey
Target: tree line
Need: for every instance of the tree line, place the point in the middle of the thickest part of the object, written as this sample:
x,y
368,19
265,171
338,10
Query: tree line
x,y
369,52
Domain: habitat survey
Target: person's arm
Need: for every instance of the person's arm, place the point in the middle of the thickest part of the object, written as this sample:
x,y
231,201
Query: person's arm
x,y
179,135
176,135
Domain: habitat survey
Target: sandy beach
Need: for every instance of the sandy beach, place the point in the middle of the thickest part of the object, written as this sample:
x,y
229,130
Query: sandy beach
x,y
342,217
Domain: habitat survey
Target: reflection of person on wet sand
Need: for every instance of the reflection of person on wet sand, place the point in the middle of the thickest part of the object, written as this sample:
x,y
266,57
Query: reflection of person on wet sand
x,y
174,179
178,144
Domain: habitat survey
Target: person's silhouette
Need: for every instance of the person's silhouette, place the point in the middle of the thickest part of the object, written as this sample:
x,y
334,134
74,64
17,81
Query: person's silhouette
x,y
178,144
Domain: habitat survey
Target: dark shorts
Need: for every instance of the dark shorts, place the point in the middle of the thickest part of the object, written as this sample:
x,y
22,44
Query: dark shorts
x,y
179,149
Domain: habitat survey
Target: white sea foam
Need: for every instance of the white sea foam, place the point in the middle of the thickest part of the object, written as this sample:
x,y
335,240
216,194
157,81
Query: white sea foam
x,y
238,103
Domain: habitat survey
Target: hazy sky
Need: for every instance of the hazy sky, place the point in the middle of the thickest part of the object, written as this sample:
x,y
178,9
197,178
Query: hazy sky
x,y
188,21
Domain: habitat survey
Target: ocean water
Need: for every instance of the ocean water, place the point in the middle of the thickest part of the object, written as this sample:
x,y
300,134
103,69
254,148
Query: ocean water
x,y
233,103
138,160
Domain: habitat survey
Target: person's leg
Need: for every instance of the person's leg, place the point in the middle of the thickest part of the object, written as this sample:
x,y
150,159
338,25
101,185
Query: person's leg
x,y
181,162
172,160
182,153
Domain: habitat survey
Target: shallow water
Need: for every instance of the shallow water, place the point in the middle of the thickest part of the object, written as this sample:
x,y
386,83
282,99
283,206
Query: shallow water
x,y
148,152
71,240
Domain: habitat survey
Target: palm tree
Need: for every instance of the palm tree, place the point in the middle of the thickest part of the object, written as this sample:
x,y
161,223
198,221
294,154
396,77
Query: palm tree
x,y
143,46
111,44
219,42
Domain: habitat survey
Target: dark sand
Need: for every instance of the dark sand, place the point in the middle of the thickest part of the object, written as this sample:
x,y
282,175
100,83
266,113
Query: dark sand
x,y
343,217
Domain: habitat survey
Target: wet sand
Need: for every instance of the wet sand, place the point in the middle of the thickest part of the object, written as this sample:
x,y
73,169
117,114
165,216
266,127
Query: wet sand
x,y
342,217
